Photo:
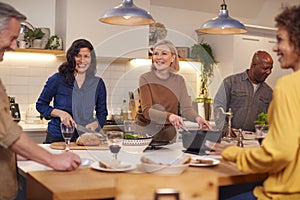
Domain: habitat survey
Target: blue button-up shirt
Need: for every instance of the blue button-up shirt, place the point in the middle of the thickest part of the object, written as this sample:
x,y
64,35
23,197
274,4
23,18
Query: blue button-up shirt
x,y
61,93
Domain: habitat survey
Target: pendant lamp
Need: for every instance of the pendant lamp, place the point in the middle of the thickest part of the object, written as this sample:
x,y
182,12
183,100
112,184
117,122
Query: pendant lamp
x,y
223,24
127,14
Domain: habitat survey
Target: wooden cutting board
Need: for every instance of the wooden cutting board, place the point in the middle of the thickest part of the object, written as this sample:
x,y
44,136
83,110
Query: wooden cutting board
x,y
74,146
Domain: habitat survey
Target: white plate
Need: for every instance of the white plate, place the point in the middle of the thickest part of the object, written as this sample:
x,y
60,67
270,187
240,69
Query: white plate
x,y
86,162
248,135
96,166
215,162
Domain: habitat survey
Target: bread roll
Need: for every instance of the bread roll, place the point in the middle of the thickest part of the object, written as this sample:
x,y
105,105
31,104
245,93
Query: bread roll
x,y
203,161
185,160
88,139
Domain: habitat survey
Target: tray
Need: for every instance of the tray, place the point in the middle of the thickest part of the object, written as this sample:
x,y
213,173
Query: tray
x,y
74,146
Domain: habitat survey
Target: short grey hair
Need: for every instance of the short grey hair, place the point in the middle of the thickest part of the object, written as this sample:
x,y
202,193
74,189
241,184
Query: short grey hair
x,y
6,13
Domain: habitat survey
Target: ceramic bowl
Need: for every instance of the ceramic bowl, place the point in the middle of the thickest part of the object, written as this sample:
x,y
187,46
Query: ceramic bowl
x,y
163,169
136,145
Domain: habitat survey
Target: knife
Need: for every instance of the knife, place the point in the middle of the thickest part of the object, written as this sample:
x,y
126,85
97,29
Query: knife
x,y
87,130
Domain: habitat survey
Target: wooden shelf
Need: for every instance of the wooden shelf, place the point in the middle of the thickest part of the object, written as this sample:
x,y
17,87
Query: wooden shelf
x,y
47,51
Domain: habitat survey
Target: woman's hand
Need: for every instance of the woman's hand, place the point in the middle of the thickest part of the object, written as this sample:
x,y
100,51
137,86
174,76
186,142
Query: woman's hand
x,y
64,116
93,126
175,120
203,124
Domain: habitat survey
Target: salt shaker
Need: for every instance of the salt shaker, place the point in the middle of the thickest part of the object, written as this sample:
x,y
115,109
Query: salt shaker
x,y
240,139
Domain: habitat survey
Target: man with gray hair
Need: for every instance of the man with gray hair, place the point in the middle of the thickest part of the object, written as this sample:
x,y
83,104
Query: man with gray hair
x,y
12,139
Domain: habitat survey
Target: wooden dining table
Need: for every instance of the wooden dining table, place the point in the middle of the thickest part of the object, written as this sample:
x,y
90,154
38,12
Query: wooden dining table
x,y
87,183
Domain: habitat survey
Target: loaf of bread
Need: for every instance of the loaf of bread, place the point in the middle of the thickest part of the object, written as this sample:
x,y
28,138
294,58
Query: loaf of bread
x,y
88,139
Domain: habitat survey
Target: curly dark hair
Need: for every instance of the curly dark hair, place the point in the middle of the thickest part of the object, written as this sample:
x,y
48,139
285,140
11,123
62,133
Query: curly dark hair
x,y
289,19
68,68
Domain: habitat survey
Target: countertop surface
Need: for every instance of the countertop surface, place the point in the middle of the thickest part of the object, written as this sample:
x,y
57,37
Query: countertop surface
x,y
43,126
33,127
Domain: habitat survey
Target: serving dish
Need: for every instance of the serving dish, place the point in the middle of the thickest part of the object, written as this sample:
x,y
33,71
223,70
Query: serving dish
x,y
96,166
136,145
86,162
163,169
213,161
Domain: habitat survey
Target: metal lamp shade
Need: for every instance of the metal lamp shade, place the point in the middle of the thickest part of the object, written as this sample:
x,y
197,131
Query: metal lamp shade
x,y
223,24
127,14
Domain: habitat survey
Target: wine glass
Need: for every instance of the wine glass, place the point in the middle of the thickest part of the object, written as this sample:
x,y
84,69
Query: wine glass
x,y
115,141
67,133
259,132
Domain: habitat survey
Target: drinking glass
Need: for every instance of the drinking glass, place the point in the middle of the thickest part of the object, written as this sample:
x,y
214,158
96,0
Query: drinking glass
x,y
115,141
67,133
129,126
259,132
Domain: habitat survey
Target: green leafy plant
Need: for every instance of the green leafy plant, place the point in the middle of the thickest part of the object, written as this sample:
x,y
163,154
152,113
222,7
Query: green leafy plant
x,y
53,42
33,34
203,53
262,118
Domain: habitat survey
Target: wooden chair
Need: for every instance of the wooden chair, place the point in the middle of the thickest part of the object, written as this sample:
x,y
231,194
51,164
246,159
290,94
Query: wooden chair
x,y
190,186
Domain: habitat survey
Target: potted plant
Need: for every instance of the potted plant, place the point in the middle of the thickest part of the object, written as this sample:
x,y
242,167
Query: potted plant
x,y
203,53
34,34
53,43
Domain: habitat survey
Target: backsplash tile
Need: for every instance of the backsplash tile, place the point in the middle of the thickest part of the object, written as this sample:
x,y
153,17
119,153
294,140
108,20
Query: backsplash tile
x,y
25,79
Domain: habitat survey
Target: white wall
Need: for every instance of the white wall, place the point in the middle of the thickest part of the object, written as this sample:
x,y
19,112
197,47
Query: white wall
x,y
38,13
25,78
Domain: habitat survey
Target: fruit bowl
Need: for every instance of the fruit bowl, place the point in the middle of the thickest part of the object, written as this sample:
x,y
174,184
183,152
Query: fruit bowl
x,y
136,145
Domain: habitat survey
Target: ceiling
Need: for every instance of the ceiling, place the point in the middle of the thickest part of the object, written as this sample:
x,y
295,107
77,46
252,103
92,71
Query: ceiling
x,y
237,8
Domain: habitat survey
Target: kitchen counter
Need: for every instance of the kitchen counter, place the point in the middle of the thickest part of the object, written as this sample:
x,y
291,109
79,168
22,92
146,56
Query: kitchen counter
x,y
33,127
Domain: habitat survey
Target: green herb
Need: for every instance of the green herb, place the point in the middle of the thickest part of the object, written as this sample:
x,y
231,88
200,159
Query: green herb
x,y
262,118
130,136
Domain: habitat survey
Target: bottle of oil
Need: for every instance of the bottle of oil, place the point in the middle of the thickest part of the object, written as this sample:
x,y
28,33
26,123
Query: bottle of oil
x,y
124,110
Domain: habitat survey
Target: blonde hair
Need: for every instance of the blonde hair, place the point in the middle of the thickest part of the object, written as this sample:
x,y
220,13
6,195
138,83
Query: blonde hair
x,y
175,64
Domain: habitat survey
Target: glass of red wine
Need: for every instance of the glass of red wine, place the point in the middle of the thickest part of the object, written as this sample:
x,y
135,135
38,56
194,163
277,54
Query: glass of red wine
x,y
67,133
115,141
259,132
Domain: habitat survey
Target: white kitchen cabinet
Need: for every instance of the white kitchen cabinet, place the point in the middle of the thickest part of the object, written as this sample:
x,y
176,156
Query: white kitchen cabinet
x,y
234,54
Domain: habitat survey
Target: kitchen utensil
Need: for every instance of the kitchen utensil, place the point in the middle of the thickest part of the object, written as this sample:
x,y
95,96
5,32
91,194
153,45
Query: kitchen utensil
x,y
86,130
